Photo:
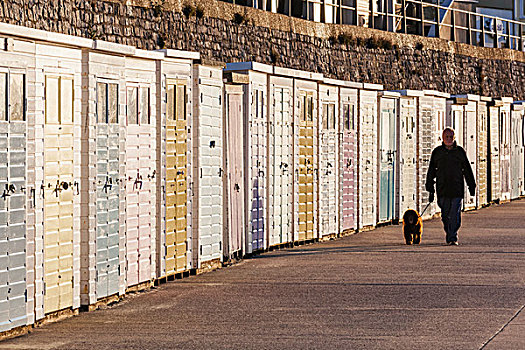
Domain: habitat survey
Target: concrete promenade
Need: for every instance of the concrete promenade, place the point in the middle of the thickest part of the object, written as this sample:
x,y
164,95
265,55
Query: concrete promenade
x,y
366,291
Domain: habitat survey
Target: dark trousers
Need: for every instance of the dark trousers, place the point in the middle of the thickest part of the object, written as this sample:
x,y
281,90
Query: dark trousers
x,y
451,216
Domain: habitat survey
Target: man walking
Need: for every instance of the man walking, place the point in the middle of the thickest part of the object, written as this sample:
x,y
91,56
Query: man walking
x,y
447,169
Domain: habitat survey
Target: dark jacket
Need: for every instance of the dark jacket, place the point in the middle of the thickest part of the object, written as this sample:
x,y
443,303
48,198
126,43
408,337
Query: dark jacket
x,y
449,167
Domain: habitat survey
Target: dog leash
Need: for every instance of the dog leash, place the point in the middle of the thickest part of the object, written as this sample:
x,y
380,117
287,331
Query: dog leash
x,y
423,212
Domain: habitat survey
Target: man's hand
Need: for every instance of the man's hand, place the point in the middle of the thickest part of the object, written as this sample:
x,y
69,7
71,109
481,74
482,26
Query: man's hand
x,y
431,197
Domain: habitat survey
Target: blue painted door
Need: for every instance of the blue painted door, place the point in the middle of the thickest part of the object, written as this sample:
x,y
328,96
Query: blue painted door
x,y
387,156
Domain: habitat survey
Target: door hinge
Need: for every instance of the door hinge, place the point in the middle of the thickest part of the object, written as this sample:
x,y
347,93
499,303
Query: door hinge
x,y
45,288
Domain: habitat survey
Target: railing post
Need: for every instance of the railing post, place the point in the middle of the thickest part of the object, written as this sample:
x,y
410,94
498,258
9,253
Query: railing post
x,y
483,34
307,10
522,42
509,39
453,22
496,41
404,15
438,22
356,16
385,16
469,28
371,20
422,19
340,12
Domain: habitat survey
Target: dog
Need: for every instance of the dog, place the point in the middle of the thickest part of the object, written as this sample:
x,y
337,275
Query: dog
x,y
412,227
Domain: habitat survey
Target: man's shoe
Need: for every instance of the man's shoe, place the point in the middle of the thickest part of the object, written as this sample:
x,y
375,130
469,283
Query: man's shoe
x,y
454,243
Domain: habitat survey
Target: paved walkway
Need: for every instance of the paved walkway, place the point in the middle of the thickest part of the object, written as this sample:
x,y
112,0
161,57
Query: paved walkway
x,y
367,291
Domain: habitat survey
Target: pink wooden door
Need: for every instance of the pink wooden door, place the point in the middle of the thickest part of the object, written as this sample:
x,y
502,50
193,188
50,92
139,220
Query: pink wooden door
x,y
235,170
505,152
348,166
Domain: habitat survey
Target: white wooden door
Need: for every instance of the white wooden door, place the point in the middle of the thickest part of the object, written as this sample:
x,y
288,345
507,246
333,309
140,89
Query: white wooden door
x,y
256,191
471,147
367,159
235,171
108,188
407,155
281,166
12,201
494,139
516,155
425,146
483,153
210,155
140,184
328,150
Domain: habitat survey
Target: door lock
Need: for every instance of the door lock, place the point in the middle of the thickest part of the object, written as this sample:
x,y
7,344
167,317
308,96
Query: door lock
x,y
138,183
108,184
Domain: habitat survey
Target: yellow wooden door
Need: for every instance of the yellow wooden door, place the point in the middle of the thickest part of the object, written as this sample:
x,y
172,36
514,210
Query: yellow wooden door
x,y
306,168
58,190
176,178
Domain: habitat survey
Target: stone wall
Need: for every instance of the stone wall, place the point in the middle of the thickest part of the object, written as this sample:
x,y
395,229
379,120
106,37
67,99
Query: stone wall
x,y
224,32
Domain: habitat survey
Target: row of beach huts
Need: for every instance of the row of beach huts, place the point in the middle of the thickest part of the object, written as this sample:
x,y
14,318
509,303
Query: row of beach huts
x,y
121,167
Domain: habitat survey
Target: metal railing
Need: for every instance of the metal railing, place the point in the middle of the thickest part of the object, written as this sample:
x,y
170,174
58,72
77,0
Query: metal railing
x,y
417,17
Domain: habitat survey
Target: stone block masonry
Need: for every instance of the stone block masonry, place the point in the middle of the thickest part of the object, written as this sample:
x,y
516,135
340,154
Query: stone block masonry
x,y
229,33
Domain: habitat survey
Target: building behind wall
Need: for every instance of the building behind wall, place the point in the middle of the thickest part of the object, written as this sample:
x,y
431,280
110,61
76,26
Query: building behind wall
x,y
508,9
